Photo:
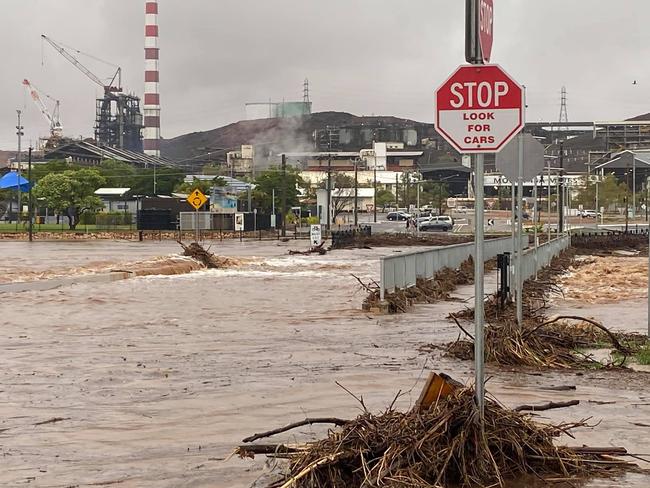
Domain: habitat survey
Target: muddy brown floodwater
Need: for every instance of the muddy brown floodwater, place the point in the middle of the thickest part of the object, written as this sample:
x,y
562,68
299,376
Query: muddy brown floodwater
x,y
152,381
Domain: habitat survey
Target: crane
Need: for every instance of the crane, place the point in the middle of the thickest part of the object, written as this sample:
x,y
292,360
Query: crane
x,y
53,118
77,64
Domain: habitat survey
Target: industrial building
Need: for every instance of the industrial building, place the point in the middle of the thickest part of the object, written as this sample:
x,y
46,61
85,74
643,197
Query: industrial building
x,y
89,154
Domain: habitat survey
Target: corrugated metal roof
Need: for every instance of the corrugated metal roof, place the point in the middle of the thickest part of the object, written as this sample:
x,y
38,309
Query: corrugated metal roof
x,y
349,192
117,192
111,153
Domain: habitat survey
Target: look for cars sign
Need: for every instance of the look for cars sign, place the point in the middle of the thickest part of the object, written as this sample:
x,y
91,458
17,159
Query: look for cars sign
x,y
479,108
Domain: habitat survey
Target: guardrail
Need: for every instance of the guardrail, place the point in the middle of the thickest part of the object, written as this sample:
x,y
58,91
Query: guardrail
x,y
402,270
531,264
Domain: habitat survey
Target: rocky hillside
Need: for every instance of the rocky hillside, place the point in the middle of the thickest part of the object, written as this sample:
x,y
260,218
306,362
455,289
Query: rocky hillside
x,y
284,135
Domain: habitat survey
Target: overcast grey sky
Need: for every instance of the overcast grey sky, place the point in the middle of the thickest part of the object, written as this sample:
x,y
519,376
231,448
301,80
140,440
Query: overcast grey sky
x,y
362,56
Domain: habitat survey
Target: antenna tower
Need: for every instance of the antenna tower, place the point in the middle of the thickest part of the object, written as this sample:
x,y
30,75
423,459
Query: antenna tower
x,y
564,117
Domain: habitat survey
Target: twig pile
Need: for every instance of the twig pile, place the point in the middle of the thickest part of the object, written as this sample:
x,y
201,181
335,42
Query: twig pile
x,y
605,244
443,446
439,288
204,256
406,239
542,342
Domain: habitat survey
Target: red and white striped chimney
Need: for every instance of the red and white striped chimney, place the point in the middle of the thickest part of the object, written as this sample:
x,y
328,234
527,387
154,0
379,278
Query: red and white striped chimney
x,y
151,80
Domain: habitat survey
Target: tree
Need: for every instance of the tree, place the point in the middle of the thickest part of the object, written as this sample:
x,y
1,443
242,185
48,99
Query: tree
x,y
610,192
436,194
342,193
270,180
205,186
71,192
55,166
385,198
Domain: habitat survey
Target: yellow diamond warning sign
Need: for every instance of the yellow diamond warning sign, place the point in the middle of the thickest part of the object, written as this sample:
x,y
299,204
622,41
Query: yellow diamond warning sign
x,y
197,199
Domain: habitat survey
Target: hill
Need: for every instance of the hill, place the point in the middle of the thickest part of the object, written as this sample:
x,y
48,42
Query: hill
x,y
280,135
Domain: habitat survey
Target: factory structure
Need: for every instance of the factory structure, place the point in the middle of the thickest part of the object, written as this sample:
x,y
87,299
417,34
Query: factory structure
x,y
119,120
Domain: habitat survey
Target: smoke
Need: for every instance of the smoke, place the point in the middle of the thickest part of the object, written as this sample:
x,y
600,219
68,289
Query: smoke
x,y
288,135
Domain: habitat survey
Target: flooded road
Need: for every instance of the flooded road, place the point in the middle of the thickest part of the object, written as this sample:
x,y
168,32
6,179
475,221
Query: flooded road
x,y
152,381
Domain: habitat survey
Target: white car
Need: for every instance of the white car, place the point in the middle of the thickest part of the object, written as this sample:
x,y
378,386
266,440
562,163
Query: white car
x,y
590,214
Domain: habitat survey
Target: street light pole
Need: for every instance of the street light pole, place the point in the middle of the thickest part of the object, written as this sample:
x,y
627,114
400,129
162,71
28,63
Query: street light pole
x,y
356,192
20,134
283,195
30,211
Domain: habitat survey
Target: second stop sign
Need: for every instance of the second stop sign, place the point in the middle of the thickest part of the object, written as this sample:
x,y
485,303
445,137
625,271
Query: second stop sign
x,y
479,108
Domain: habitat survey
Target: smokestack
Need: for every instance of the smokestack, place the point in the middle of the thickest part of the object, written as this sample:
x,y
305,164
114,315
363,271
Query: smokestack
x,y
151,80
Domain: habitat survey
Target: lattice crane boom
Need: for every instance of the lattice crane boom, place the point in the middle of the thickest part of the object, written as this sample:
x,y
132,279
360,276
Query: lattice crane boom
x,y
93,77
53,118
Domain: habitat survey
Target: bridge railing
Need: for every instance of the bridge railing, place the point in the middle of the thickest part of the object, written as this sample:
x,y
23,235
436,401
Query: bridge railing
x,y
531,264
402,270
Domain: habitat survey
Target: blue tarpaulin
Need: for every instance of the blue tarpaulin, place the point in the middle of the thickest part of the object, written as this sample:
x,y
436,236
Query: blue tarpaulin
x,y
12,180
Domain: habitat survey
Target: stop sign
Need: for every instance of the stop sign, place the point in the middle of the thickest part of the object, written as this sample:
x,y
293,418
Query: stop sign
x,y
485,31
479,108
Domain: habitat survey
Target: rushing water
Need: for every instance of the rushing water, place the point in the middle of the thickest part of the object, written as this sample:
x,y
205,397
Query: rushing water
x,y
153,380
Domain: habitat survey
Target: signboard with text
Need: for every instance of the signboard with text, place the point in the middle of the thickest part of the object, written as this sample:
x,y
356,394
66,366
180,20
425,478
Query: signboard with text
x,y
479,108
485,28
316,235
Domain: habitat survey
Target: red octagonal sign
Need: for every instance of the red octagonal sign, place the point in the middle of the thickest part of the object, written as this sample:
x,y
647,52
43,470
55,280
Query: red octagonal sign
x,y
479,108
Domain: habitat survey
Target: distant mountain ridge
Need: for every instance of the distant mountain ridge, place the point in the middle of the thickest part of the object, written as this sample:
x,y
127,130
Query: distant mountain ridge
x,y
290,134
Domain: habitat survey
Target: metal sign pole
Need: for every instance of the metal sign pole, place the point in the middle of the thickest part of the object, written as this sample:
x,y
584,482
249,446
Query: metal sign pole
x,y
196,225
548,217
520,249
479,346
513,230
535,223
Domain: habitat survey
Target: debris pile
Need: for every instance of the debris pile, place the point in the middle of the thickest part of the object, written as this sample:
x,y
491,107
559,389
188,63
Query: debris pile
x,y
439,288
319,249
440,445
558,342
607,243
404,239
204,256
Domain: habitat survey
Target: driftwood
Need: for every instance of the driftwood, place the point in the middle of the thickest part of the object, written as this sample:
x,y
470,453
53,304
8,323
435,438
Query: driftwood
x,y
619,347
312,250
204,256
308,421
546,406
251,450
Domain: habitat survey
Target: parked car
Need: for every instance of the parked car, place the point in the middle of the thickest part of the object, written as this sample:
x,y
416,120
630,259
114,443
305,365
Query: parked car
x,y
398,216
590,214
443,222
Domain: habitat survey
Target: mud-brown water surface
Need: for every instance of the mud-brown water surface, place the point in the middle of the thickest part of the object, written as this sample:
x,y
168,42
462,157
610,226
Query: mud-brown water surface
x,y
152,381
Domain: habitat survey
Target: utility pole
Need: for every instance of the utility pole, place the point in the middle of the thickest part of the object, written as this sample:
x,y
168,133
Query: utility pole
x,y
356,191
283,195
374,200
397,190
627,199
20,134
560,193
329,179
328,210
30,211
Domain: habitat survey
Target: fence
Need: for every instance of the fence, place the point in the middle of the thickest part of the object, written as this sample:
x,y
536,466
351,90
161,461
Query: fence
x,y
190,220
403,270
545,254
344,238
